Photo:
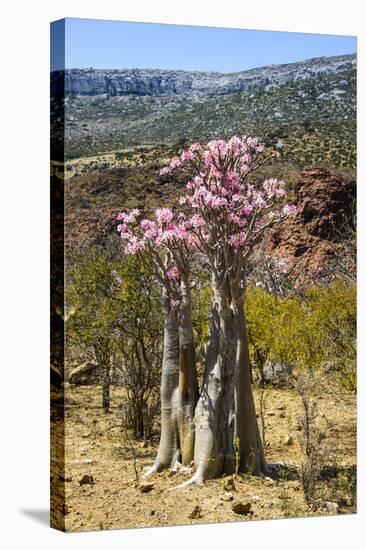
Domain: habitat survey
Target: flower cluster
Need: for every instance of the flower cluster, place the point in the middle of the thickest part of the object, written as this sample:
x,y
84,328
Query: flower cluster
x,y
226,208
164,243
221,196
159,232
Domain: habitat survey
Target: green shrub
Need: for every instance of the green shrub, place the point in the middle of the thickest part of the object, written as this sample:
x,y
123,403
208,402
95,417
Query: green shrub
x,y
316,332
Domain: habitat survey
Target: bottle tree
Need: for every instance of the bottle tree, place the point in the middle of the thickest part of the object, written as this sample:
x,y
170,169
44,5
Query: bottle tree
x,y
165,248
229,212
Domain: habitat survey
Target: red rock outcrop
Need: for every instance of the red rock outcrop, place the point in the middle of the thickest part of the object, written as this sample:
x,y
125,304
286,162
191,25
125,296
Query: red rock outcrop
x,y
325,204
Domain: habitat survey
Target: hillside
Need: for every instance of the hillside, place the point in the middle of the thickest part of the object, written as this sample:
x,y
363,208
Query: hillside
x,y
307,109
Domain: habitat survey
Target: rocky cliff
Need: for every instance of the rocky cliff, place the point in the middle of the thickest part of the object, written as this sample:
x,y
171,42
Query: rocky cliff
x,y
309,240
152,82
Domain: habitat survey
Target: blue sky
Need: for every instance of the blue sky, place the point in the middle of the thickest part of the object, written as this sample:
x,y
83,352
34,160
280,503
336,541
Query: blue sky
x,y
117,44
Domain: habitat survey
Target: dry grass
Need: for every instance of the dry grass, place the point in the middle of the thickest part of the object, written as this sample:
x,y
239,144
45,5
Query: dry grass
x,y
115,501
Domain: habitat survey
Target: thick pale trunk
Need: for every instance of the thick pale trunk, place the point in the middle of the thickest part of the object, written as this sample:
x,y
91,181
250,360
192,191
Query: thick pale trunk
x,y
227,433
247,433
187,393
168,446
214,451
179,387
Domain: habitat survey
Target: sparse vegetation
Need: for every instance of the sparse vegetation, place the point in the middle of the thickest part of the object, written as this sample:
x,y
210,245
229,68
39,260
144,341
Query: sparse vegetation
x,y
115,147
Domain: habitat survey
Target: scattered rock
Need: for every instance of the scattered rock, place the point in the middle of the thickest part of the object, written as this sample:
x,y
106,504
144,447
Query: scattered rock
x,y
228,484
66,479
146,487
86,479
86,374
277,374
289,440
82,461
344,502
185,470
143,444
196,513
227,497
241,508
331,507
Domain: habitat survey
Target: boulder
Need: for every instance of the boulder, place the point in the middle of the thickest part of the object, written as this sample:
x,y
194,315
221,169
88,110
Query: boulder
x,y
87,374
241,508
276,373
86,479
146,487
196,513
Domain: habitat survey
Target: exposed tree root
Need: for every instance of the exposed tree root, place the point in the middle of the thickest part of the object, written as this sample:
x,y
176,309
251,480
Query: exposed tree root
x,y
197,479
155,469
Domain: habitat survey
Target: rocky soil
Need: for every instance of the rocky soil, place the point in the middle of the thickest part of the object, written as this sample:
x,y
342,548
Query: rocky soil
x,y
307,109
102,491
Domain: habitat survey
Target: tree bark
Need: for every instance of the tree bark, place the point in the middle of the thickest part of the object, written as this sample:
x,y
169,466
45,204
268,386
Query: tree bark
x,y
227,434
179,387
214,448
187,393
247,433
169,440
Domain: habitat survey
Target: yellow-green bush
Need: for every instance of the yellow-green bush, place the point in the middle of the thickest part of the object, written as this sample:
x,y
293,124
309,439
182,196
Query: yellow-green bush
x,y
307,333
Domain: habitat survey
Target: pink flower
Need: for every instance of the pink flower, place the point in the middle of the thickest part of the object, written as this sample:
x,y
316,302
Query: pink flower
x,y
129,217
258,200
134,246
196,221
238,239
219,193
122,228
247,210
289,209
216,202
274,188
186,155
164,215
172,273
174,164
149,228
164,171
147,224
174,303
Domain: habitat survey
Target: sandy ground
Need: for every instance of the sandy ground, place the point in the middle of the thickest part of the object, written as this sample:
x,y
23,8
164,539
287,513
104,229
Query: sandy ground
x,y
96,446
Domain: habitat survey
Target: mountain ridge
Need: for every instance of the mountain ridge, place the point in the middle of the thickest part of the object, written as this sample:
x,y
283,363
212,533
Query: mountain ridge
x,y
160,82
